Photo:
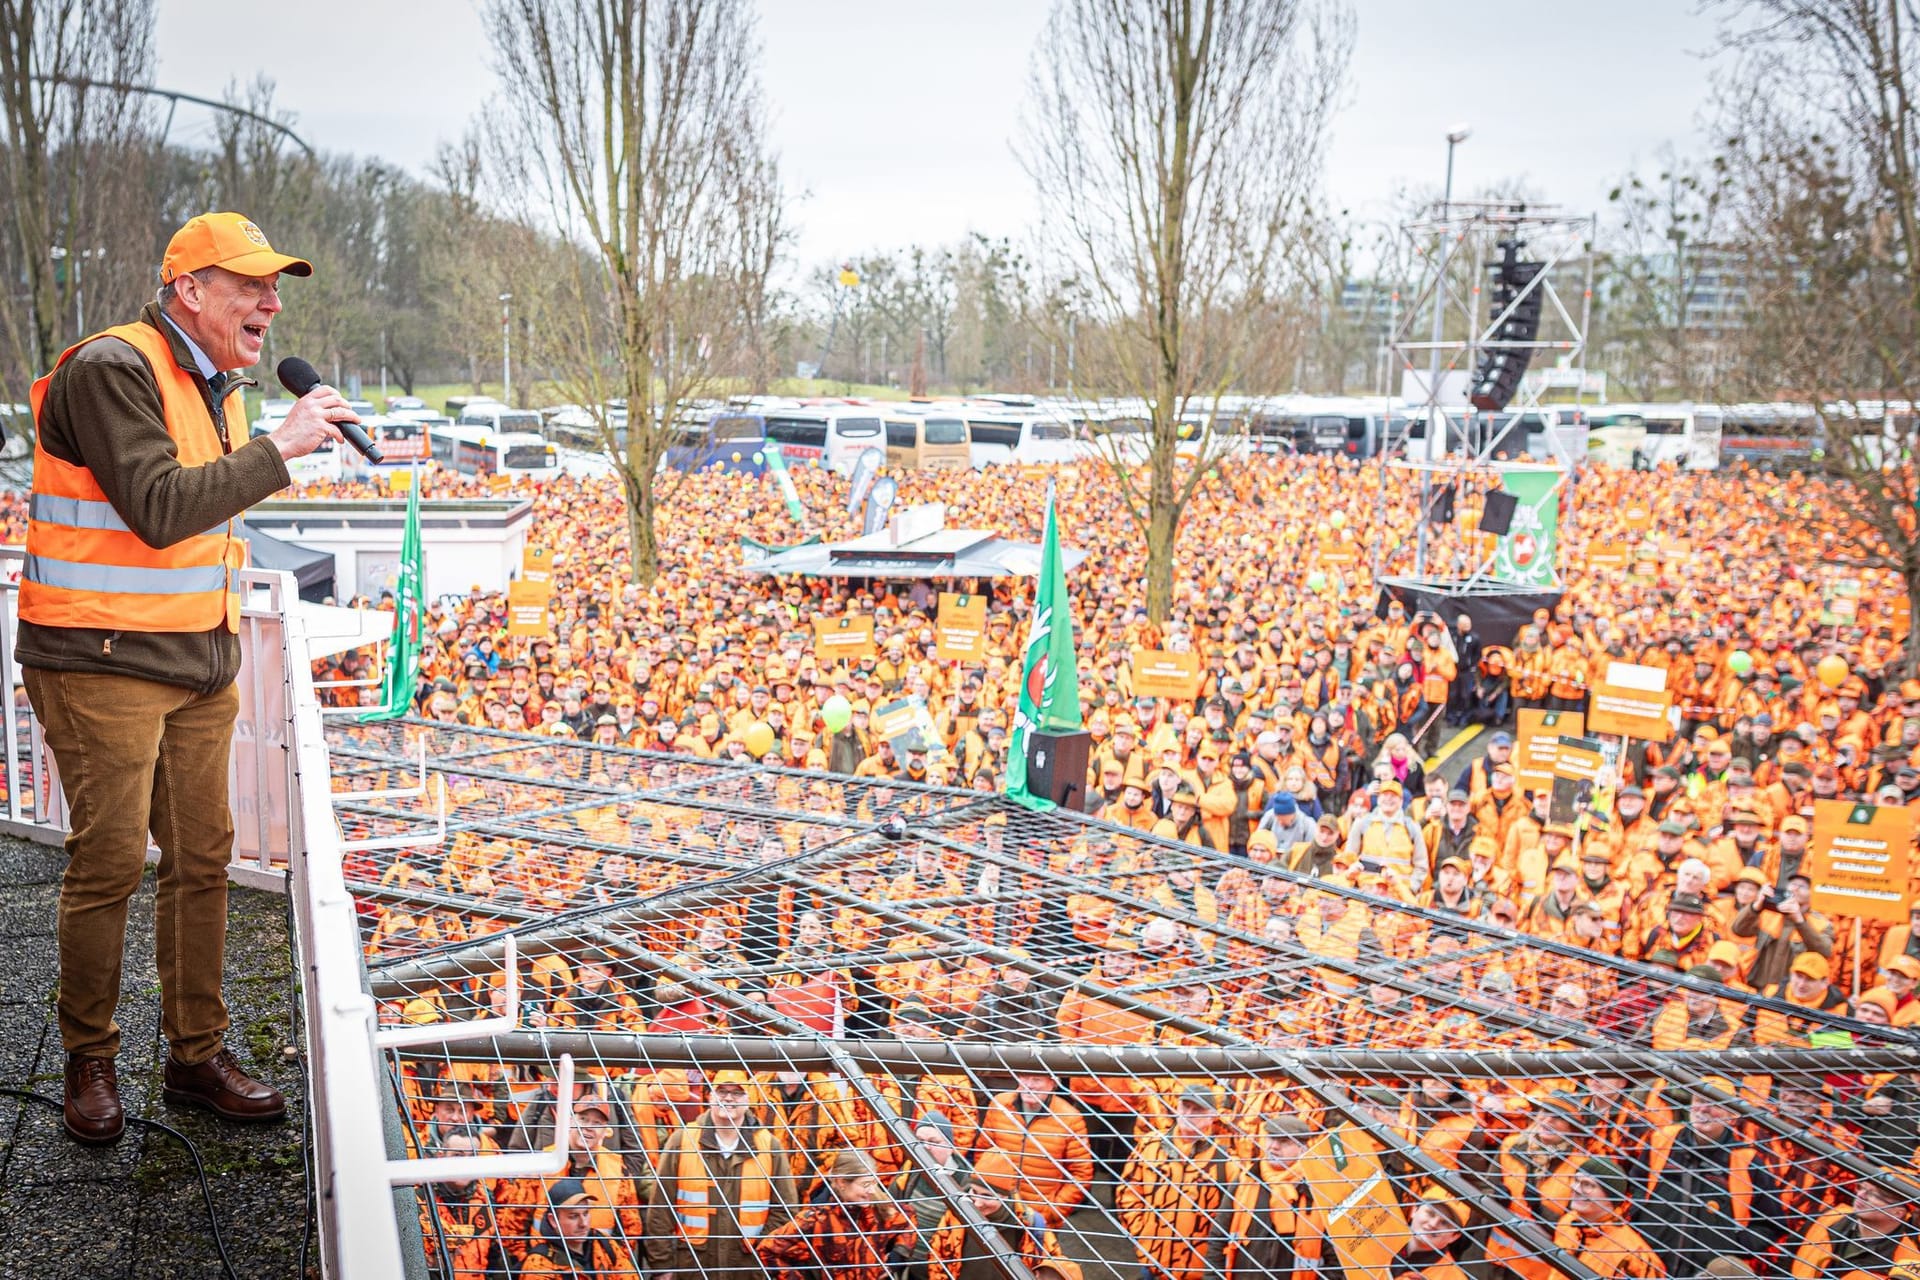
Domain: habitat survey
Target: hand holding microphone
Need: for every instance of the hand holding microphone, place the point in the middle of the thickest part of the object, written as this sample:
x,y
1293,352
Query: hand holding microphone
x,y
317,417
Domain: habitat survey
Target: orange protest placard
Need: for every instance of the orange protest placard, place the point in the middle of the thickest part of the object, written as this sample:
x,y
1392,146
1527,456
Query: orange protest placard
x,y
536,564
1607,555
1632,701
1637,515
1358,1204
848,637
961,627
1858,859
1536,744
1162,673
527,607
1339,552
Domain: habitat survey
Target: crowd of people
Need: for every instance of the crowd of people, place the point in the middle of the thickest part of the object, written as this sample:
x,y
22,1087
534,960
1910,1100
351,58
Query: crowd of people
x,y
1297,774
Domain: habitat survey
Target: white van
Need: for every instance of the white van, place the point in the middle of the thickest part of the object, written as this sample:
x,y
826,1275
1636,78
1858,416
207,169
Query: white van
x,y
1026,439
499,419
851,431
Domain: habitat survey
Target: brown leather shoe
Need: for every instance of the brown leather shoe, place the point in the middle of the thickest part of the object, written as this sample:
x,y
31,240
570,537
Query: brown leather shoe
x,y
220,1086
93,1113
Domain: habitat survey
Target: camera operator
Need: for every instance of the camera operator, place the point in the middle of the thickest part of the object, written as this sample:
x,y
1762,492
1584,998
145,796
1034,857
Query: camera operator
x,y
1786,926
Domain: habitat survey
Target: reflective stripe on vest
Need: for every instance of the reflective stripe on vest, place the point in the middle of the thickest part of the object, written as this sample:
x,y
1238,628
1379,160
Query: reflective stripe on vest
x,y
692,1194
86,567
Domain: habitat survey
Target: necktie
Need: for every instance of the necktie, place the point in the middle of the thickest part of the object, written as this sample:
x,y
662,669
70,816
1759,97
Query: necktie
x,y
217,385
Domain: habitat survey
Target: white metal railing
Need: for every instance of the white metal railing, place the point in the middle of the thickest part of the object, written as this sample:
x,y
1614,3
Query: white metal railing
x,y
259,770
359,1235
285,838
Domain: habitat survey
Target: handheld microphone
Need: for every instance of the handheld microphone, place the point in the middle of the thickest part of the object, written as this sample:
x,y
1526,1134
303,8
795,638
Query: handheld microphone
x,y
299,377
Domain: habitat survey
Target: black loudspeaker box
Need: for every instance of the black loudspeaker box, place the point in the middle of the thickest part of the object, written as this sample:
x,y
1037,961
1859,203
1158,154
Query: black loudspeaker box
x,y
1057,767
1496,516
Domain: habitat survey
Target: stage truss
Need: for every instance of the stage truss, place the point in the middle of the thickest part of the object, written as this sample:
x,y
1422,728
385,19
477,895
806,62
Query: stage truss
x,y
833,936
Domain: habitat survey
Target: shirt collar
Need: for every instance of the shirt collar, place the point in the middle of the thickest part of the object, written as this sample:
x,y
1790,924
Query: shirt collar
x,y
200,358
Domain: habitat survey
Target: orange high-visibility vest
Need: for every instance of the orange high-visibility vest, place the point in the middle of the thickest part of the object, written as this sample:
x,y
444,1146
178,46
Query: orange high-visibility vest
x,y
693,1190
86,568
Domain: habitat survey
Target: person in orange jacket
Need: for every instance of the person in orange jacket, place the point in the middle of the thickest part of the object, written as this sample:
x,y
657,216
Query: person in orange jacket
x,y
1868,1238
1595,1231
566,1243
1033,1148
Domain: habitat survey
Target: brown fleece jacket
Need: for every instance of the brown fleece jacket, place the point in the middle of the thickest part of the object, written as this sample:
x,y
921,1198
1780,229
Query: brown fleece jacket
x,y
102,412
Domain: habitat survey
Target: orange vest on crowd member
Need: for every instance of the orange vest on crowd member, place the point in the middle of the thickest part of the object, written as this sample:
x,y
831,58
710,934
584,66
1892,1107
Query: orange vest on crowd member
x,y
693,1193
86,568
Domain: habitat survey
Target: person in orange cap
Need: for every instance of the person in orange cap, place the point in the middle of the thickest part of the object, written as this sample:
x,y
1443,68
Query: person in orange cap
x,y
129,643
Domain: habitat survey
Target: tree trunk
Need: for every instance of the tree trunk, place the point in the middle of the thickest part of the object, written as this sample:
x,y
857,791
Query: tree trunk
x,y
643,541
1913,622
1163,530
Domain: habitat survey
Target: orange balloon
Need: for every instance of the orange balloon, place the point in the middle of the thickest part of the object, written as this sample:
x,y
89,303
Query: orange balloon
x,y
1832,670
758,739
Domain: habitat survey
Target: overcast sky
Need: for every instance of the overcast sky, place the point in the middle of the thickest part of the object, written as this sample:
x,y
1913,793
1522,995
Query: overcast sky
x,y
894,119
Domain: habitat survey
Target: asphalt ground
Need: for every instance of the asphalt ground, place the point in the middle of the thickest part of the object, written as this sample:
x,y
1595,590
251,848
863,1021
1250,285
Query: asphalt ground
x,y
135,1209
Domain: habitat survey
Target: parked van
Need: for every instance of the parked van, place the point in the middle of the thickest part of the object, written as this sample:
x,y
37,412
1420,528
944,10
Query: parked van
x,y
936,442
499,419
1027,439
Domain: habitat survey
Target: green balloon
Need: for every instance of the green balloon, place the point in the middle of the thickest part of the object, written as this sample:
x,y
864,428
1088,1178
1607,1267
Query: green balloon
x,y
1739,662
1316,581
759,458
837,713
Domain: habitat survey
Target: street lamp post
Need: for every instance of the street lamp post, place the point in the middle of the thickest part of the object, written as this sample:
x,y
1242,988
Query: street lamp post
x,y
1436,428
506,347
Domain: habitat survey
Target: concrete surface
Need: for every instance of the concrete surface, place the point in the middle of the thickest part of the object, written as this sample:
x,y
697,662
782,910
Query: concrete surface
x,y
134,1210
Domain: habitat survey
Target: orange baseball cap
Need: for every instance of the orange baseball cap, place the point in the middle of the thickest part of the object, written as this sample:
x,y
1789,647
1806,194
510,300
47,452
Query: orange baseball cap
x,y
226,240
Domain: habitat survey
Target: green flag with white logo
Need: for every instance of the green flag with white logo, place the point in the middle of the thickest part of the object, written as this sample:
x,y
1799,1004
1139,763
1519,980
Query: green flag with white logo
x,y
403,656
1049,675
1526,552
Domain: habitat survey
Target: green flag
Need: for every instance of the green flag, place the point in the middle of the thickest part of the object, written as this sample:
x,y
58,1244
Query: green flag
x,y
1049,676
403,655
1526,553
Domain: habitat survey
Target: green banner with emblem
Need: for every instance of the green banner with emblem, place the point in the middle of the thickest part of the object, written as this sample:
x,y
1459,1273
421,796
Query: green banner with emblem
x,y
1526,553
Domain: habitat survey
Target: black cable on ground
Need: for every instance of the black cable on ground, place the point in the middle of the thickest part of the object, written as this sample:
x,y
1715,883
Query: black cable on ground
x,y
307,1219
193,1153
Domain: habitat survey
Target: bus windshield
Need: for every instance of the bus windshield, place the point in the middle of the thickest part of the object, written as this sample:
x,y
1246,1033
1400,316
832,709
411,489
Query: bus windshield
x,y
944,431
737,428
858,428
529,457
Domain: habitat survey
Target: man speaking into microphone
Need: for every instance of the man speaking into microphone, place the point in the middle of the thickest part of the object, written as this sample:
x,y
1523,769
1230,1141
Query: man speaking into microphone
x,y
129,644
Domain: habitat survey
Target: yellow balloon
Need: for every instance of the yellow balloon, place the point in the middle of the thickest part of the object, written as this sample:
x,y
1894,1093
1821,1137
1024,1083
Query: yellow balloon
x,y
758,739
1338,519
1832,670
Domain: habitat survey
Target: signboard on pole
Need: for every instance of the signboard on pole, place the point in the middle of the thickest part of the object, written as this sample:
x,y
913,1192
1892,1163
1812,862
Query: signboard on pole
x,y
960,630
908,725
848,637
1536,741
536,564
1579,769
1357,1203
527,607
1858,859
1632,701
1163,673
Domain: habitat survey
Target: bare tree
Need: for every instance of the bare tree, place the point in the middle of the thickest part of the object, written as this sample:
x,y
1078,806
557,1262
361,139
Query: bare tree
x,y
1822,148
74,168
1175,146
1664,246
635,127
